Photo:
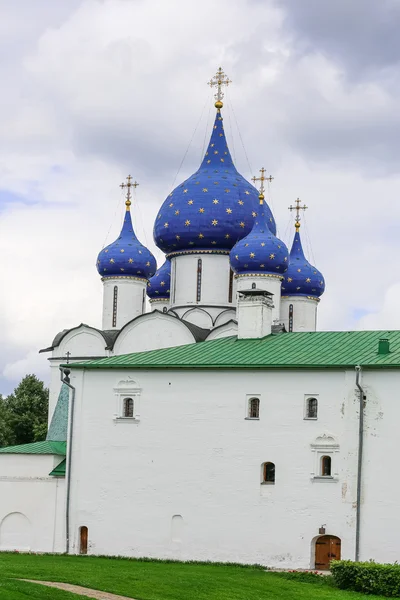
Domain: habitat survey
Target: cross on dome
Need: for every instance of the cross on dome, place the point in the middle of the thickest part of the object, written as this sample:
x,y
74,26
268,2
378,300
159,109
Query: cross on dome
x,y
219,79
298,208
128,185
262,178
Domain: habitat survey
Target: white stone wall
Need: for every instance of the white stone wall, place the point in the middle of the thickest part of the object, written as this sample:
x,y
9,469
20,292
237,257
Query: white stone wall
x,y
304,313
32,504
267,284
131,300
191,453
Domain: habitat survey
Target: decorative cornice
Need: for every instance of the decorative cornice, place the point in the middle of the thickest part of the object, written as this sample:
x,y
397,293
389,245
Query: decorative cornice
x,y
164,298
280,277
144,279
181,252
314,298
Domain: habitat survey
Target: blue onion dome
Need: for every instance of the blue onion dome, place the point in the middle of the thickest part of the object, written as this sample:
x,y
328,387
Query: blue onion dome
x,y
126,257
158,287
301,278
212,209
260,252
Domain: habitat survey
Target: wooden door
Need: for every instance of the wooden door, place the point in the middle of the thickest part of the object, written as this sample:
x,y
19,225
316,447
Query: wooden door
x,y
83,542
327,548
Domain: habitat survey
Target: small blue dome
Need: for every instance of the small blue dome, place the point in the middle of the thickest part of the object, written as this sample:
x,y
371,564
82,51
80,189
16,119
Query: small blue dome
x,y
301,278
260,251
211,210
158,286
126,257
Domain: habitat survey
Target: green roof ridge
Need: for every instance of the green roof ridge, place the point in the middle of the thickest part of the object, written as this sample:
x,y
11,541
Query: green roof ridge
x,y
45,447
303,350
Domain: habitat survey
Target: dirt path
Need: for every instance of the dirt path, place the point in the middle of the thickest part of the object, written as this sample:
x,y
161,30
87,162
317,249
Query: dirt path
x,y
78,589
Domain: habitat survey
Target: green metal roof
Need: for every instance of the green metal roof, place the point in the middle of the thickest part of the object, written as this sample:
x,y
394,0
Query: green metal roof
x,y
59,422
304,350
59,470
45,447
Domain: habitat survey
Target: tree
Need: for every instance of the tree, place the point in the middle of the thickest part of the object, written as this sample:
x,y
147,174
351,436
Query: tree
x,y
5,431
26,412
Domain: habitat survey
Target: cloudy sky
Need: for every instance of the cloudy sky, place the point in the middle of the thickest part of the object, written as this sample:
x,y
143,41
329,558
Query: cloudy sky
x,y
95,89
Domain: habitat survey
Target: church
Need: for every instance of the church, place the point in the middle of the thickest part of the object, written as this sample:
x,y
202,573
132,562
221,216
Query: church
x,y
220,424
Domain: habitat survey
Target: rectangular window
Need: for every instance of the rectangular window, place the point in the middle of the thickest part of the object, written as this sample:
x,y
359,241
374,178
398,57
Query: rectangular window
x,y
199,272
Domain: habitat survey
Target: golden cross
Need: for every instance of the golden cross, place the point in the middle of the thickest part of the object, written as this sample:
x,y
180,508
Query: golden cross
x,y
128,185
262,178
219,79
298,208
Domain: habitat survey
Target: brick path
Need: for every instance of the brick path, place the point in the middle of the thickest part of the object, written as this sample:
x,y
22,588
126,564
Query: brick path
x,y
77,589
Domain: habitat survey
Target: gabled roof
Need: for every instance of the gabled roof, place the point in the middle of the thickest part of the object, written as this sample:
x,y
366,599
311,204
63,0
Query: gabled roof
x,y
303,350
45,447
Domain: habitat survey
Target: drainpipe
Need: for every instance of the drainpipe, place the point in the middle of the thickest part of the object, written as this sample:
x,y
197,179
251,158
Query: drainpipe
x,y
360,458
64,375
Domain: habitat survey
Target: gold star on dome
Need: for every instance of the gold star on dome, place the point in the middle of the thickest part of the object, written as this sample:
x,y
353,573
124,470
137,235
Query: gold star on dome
x,y
162,283
262,244
201,236
237,256
212,145
285,259
208,162
187,222
171,205
308,280
227,236
213,242
215,151
140,252
216,182
290,279
272,255
190,201
122,269
130,260
254,214
171,194
185,191
252,255
166,225
227,191
222,159
201,210
215,201
245,245
178,237
112,260
229,211
270,219
214,222
197,183
242,224
262,266
241,202
299,270
106,251
148,263
205,190
247,193
177,212
221,134
122,250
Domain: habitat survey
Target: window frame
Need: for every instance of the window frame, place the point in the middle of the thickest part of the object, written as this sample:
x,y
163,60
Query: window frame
x,y
264,480
123,391
325,445
325,457
249,398
307,398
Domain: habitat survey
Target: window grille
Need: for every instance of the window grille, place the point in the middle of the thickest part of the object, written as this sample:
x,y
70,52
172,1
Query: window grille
x,y
290,317
254,408
230,293
128,408
199,270
115,303
312,408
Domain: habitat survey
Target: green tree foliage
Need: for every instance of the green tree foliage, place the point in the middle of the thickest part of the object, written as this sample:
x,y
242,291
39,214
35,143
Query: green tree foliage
x,y
23,415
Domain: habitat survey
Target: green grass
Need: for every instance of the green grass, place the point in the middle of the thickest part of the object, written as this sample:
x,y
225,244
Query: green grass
x,y
147,580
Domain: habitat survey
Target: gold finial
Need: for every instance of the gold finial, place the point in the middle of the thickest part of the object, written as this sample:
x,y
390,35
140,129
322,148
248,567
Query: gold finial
x,y
298,208
219,79
128,185
262,178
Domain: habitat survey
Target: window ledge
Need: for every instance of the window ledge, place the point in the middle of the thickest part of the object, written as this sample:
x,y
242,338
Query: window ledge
x,y
310,418
252,418
268,483
327,478
126,420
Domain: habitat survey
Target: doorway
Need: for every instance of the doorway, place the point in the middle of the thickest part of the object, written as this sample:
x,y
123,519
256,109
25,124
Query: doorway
x,y
327,548
83,540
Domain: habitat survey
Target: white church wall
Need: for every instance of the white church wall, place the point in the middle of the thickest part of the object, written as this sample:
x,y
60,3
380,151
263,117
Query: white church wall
x,y
304,313
31,504
194,454
152,330
270,284
123,300
82,342
226,330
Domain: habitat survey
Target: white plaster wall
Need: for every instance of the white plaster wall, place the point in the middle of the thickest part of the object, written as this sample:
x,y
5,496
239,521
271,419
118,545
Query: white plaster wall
x,y
31,504
267,284
153,330
193,454
131,300
159,304
214,280
227,330
254,315
304,313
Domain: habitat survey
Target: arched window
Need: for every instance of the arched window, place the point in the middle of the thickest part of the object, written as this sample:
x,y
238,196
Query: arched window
x,y
311,408
115,304
268,472
198,287
254,408
290,317
326,466
230,292
128,408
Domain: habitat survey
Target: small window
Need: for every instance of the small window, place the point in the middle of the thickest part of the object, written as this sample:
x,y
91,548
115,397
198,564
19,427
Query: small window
x,y
290,317
311,408
326,466
128,408
254,408
268,472
198,287
115,305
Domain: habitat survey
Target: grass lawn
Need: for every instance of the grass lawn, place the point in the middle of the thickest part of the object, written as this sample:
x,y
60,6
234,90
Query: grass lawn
x,y
155,580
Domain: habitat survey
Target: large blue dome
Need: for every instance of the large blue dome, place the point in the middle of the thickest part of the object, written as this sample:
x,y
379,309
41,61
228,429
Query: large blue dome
x,y
159,285
260,251
126,257
212,209
301,278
